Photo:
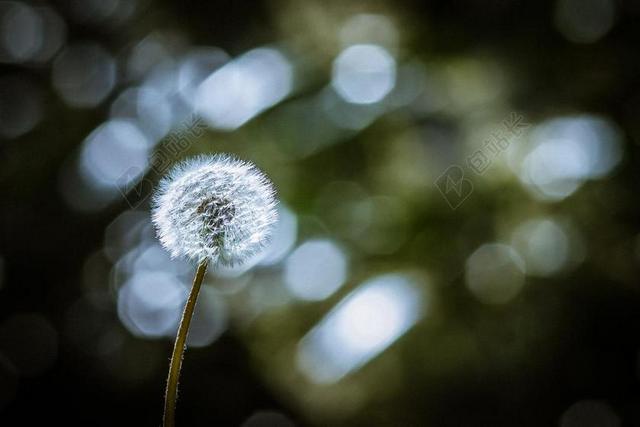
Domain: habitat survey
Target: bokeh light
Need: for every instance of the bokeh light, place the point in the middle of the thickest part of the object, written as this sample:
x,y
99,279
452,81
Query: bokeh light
x,y
243,88
84,74
590,413
103,12
195,67
283,239
584,21
360,327
54,34
268,419
316,269
494,273
565,152
150,303
210,319
148,108
20,106
544,245
153,50
115,154
21,30
364,74
29,34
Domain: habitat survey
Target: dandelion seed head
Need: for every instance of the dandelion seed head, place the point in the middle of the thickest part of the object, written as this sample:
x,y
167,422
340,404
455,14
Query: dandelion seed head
x,y
214,207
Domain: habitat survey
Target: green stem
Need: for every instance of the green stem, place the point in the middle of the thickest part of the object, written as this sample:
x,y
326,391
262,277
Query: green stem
x,y
179,347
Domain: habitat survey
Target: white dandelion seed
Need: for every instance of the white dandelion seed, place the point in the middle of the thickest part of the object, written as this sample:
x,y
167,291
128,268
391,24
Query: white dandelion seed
x,y
214,208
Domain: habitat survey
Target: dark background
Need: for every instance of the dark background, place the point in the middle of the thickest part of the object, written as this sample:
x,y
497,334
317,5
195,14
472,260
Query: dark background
x,y
574,337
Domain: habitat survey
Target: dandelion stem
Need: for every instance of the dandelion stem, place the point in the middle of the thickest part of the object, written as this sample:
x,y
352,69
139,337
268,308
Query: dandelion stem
x,y
179,347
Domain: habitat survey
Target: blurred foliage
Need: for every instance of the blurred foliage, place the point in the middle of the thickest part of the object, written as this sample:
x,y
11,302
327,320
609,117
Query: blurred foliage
x,y
527,270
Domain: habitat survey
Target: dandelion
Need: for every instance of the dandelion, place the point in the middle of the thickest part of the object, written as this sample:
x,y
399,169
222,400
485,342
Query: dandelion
x,y
216,208
213,210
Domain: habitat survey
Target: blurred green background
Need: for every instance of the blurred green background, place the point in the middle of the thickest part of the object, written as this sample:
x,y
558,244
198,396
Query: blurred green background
x,y
458,241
